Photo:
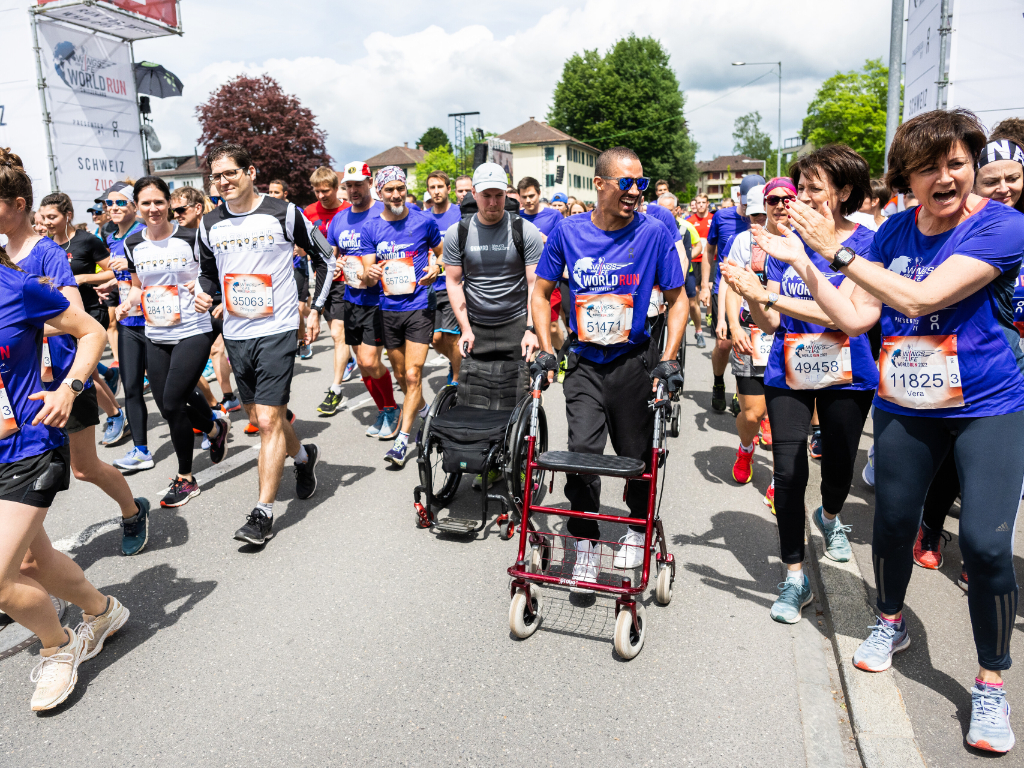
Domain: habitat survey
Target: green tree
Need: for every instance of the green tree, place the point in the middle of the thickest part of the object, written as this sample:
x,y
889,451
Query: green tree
x,y
440,159
629,97
850,108
749,139
433,138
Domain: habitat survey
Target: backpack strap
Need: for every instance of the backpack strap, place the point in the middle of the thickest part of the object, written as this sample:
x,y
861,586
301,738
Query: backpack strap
x,y
517,235
463,234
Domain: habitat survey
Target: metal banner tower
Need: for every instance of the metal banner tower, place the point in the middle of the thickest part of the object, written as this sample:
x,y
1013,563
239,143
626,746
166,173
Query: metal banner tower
x,y
460,137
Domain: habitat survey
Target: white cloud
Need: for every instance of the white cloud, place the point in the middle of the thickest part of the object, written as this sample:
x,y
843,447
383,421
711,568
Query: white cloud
x,y
394,85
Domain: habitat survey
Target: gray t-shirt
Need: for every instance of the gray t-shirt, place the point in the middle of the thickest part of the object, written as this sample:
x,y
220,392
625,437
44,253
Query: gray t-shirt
x,y
494,276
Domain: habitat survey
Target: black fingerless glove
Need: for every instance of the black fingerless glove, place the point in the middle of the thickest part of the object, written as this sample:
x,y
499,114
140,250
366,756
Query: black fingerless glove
x,y
669,372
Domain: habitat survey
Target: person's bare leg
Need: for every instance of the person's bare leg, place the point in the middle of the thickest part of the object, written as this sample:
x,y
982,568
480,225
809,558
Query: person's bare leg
x,y
303,311
415,355
221,366
21,597
695,314
720,356
60,575
104,397
340,351
277,439
204,387
369,362
112,334
86,466
447,344
748,420
397,358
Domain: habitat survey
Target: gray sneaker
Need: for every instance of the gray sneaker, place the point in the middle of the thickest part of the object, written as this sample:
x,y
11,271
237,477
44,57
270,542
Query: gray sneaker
x,y
794,596
990,719
837,546
699,340
875,653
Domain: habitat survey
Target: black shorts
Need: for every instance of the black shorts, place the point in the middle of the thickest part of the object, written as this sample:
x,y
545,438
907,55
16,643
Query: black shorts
x,y
444,315
416,326
750,386
101,315
263,367
85,412
35,481
334,307
691,284
698,276
363,325
714,317
218,324
302,281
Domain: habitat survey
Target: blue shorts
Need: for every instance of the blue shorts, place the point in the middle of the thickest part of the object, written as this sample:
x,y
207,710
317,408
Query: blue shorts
x,y
691,284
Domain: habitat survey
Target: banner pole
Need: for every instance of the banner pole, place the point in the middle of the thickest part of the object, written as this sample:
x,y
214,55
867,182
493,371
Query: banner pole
x,y
47,120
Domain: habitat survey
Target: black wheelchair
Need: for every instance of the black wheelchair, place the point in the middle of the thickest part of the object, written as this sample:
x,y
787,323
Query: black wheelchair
x,y
476,427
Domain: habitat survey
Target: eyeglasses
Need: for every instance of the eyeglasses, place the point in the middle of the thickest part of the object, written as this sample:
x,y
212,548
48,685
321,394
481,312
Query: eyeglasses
x,y
774,200
119,203
180,210
626,183
229,175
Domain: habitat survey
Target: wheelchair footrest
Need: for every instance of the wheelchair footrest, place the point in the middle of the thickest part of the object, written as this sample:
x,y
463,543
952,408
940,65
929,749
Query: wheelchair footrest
x,y
590,463
457,525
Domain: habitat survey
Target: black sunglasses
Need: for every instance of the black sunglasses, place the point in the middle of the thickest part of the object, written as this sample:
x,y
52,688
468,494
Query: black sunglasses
x,y
625,183
775,200
180,210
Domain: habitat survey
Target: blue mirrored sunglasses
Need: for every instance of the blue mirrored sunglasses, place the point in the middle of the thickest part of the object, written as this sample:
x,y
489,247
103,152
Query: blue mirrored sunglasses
x,y
119,203
625,183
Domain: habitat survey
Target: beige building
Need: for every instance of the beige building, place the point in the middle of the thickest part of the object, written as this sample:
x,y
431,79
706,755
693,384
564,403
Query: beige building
x,y
404,157
538,150
719,176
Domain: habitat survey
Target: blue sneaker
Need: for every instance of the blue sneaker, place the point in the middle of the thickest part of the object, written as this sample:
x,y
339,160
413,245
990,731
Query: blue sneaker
x,y
374,429
391,425
868,473
135,460
230,405
135,530
350,370
115,428
793,597
886,638
306,352
208,373
397,455
990,719
113,378
145,383
451,373
837,546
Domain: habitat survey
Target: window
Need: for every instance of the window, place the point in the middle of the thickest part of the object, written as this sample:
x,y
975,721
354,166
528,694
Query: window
x,y
549,180
578,184
549,154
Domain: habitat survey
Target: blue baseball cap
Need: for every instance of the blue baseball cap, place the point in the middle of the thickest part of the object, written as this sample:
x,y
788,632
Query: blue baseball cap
x,y
747,183
559,197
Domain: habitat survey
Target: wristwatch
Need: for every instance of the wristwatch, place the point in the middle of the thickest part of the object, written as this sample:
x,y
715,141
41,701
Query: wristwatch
x,y
531,329
76,385
842,258
772,298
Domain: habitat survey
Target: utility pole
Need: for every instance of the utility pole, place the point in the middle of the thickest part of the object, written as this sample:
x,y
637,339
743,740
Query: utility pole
x,y
945,28
892,114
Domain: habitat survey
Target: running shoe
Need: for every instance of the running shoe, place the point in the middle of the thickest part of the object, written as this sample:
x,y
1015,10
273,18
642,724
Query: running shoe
x,y
56,674
563,368
814,446
94,630
962,581
180,492
837,546
588,558
350,371
306,352
769,497
305,473
135,530
208,373
392,424
886,638
699,340
743,470
113,378
230,405
793,597
766,433
398,454
258,529
206,443
374,429
451,375
135,460
868,473
115,428
218,446
492,477
990,719
718,397
251,429
331,403
734,405
928,547
631,553
145,383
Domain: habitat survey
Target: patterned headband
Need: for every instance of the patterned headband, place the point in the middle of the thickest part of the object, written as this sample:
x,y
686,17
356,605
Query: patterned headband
x,y
1004,149
387,175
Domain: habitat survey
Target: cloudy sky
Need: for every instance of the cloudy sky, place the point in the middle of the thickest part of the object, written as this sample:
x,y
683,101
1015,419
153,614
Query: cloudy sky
x,y
376,78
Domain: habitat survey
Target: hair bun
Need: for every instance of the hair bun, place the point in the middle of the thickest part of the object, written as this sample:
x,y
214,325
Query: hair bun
x,y
9,159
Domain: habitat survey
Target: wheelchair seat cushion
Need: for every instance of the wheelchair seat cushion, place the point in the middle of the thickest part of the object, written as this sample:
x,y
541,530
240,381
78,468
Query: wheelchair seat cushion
x,y
591,464
467,434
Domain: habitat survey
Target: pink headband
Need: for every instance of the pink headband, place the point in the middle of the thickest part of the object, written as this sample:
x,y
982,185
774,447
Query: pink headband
x,y
387,175
780,182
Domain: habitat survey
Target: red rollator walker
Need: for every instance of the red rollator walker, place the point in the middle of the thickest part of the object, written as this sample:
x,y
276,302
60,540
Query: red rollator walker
x,y
548,558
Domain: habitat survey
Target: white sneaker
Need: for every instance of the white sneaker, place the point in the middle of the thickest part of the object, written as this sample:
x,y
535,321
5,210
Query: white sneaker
x,y
57,672
868,473
631,553
588,558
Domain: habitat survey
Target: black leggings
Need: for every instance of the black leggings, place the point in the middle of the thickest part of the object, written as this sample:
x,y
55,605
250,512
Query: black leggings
x,y
942,493
131,355
174,371
989,457
841,415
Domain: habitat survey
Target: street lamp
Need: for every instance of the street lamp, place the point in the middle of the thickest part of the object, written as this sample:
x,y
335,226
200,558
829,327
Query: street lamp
x,y
778,152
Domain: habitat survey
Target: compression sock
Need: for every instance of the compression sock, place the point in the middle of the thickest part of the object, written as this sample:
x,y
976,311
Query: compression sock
x,y
387,390
266,509
372,389
720,380
102,369
301,457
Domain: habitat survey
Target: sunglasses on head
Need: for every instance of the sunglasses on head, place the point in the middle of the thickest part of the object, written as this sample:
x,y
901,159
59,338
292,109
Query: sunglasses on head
x,y
774,200
625,183
119,203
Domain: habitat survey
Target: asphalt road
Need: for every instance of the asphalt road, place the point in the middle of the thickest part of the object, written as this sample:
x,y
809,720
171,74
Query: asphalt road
x,y
353,638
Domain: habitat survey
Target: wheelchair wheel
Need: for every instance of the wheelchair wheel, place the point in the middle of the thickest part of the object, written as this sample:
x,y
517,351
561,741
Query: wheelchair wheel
x,y
440,486
515,467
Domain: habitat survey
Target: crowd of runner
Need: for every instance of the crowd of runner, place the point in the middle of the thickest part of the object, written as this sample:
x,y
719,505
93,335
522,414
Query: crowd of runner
x,y
830,297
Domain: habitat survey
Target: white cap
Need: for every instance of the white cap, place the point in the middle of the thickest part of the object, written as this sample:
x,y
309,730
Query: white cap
x,y
489,176
356,171
755,200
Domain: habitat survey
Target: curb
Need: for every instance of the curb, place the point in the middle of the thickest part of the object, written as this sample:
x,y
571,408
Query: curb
x,y
878,715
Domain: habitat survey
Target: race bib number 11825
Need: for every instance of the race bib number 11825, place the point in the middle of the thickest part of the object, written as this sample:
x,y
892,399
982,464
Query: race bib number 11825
x,y
920,372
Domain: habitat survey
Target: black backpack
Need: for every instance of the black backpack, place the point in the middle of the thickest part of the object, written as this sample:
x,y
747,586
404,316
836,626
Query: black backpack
x,y
517,234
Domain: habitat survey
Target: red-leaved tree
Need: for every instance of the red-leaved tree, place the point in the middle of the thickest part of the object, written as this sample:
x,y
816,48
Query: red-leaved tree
x,y
281,135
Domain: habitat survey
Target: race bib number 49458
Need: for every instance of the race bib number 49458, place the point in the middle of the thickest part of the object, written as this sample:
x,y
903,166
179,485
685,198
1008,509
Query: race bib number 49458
x,y
399,277
249,296
817,360
604,319
920,372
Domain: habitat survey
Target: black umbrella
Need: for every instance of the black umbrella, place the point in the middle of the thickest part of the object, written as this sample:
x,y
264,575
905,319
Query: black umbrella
x,y
154,80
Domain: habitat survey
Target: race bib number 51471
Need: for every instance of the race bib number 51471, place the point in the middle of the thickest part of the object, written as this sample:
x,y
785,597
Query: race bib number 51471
x,y
605,318
920,372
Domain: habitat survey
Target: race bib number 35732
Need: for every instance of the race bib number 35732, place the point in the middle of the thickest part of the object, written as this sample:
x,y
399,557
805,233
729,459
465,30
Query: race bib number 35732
x,y
399,277
249,296
604,319
920,372
161,305
817,360
8,422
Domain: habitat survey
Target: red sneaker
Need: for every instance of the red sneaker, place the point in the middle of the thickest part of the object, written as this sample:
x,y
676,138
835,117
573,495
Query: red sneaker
x,y
251,429
742,470
769,498
766,433
927,548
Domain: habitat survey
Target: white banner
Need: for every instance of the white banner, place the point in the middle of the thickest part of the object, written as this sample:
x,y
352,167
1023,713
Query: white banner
x,y
91,96
920,89
986,62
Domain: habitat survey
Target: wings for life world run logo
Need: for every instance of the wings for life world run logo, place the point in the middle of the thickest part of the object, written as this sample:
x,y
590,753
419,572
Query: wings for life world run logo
x,y
815,349
598,276
912,267
389,249
84,73
795,288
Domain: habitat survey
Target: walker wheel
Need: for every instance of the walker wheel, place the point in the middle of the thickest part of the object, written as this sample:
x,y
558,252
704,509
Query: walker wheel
x,y
422,518
673,424
538,563
663,589
506,528
520,621
629,642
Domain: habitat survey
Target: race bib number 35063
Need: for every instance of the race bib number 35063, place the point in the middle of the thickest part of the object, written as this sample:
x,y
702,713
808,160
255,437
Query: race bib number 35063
x,y
399,277
817,360
249,296
604,319
920,372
